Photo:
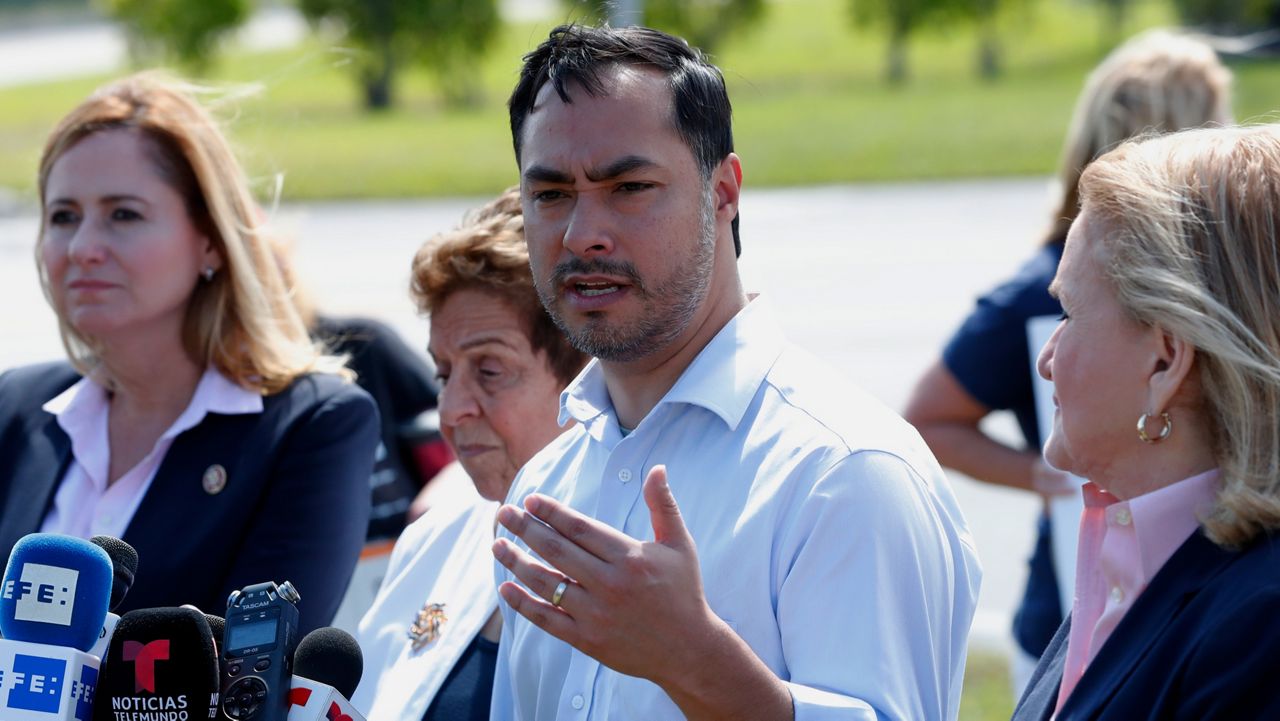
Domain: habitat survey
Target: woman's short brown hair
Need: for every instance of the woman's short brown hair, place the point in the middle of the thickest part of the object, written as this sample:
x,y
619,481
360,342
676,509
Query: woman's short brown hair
x,y
488,253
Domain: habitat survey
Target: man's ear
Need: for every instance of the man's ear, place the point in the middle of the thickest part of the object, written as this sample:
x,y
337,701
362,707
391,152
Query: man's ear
x,y
727,184
1174,360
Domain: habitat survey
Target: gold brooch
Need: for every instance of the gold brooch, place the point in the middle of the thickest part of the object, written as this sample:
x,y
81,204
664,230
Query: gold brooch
x,y
426,625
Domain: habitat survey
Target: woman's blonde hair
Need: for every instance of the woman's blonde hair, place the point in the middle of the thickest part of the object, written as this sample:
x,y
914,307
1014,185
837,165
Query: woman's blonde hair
x,y
488,253
1158,81
1189,241
241,321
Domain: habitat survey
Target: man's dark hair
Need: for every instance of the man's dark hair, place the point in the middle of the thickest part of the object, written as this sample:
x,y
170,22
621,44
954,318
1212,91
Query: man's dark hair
x,y
578,54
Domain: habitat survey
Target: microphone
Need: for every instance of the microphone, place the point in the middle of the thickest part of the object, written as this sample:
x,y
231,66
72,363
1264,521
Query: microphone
x,y
52,606
56,590
327,668
124,564
160,666
218,625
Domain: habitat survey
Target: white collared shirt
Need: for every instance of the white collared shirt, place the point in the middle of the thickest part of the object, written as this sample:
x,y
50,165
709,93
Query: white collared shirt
x,y
84,505
827,535
441,558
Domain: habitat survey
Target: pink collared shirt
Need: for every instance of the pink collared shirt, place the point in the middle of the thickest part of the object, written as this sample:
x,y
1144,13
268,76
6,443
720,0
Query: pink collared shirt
x,y
84,505
1122,546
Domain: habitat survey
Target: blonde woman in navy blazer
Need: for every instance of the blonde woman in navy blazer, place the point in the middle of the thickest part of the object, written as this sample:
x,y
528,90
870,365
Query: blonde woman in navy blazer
x,y
1166,372
194,417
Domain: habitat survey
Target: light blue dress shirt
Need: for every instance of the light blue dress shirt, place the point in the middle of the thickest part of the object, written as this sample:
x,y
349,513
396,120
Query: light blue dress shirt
x,y
827,535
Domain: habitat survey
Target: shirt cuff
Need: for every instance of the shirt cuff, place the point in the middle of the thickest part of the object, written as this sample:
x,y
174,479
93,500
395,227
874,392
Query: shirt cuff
x,y
813,704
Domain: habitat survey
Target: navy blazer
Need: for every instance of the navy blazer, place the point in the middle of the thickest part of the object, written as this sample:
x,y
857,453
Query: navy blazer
x,y
1201,642
295,504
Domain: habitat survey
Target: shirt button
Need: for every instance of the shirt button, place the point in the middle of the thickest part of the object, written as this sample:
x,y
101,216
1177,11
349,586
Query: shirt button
x,y
1123,517
577,702
624,475
1117,595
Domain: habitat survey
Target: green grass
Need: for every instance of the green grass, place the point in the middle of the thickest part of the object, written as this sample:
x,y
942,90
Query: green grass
x,y
810,107
986,695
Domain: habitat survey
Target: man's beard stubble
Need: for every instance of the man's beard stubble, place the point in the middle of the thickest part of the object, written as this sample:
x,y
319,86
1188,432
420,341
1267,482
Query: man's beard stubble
x,y
667,308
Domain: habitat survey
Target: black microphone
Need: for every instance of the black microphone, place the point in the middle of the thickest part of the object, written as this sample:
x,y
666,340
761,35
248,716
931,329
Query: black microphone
x,y
326,670
218,625
161,664
332,657
124,565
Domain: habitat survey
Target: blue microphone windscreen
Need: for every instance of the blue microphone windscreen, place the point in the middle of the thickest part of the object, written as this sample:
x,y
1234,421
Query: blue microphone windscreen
x,y
56,590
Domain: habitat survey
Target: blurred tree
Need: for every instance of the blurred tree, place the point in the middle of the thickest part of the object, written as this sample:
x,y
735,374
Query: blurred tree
x,y
182,31
446,35
988,38
1115,15
984,14
704,23
1227,16
901,18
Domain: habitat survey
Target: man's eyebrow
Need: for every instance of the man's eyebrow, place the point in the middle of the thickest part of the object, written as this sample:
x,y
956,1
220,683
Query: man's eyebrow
x,y
1055,289
544,174
619,167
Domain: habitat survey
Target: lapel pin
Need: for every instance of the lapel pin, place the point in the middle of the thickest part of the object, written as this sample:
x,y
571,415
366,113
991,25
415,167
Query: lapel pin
x,y
214,480
426,625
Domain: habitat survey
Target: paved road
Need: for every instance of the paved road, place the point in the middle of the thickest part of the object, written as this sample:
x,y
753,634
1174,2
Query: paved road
x,y
872,278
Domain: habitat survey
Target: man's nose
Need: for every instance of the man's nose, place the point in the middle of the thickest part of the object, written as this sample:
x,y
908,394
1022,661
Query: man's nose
x,y
589,230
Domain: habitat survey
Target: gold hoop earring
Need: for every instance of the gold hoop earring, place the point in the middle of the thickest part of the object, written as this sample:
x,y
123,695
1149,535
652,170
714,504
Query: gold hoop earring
x,y
1164,432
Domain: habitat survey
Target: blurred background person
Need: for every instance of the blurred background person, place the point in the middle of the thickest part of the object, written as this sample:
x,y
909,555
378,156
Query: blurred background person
x,y
1169,282
195,419
1157,81
402,384
430,638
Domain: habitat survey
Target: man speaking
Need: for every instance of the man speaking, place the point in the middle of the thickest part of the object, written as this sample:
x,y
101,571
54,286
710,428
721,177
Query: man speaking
x,y
797,552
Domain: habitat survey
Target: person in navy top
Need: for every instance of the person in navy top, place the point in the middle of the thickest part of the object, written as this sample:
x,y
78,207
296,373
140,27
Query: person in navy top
x,y
1166,377
1155,82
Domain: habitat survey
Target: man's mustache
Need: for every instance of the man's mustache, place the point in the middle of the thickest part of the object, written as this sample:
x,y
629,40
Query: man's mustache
x,y
598,266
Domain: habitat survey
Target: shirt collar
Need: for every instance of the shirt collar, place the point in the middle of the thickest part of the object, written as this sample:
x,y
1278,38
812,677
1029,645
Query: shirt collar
x,y
1166,517
79,406
1161,520
723,377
